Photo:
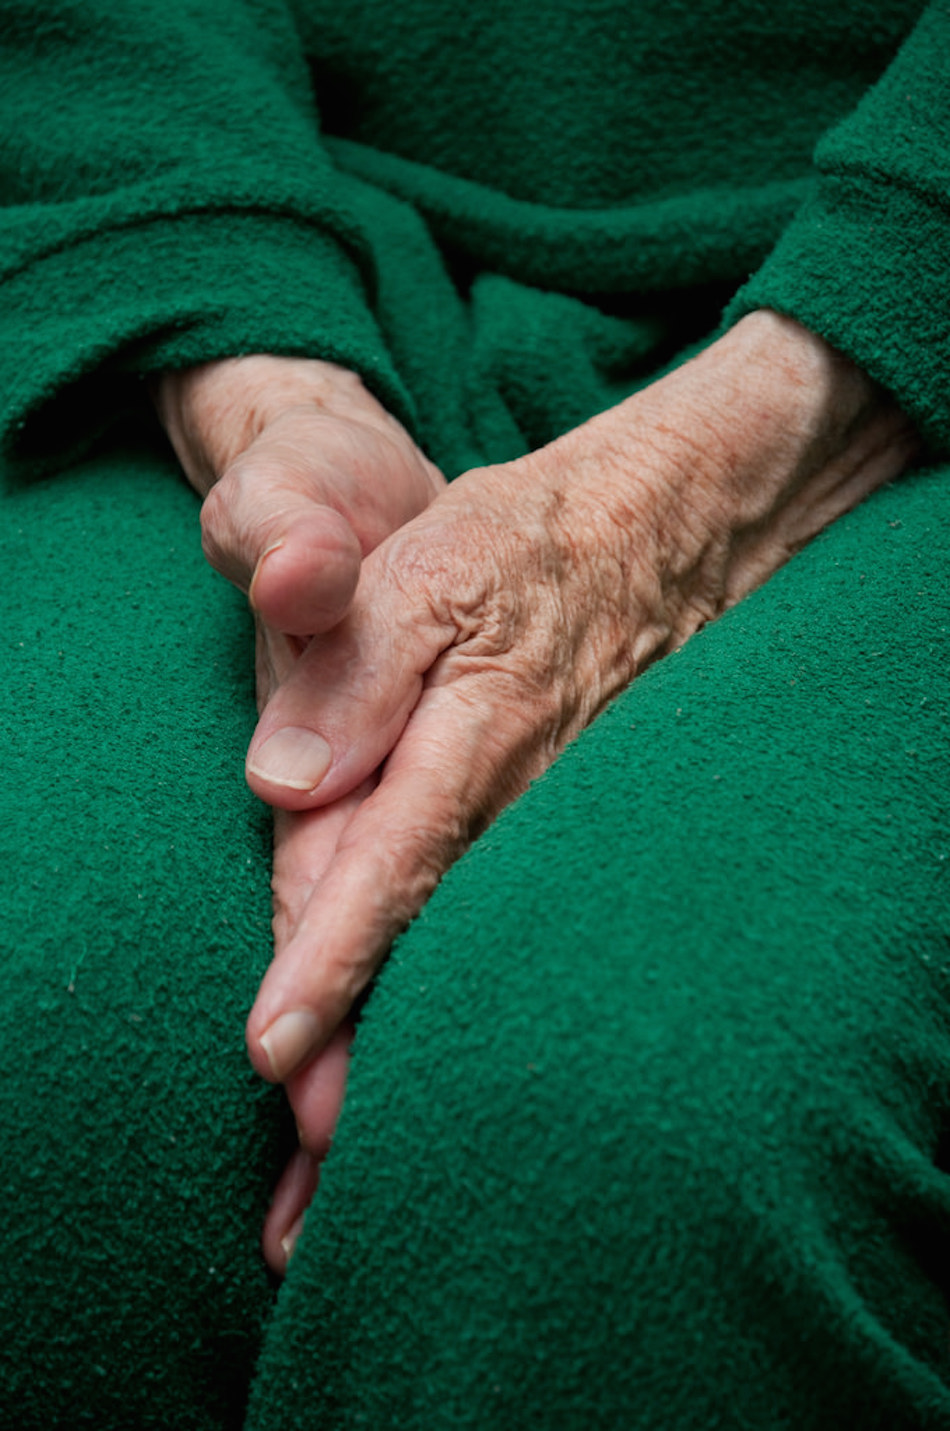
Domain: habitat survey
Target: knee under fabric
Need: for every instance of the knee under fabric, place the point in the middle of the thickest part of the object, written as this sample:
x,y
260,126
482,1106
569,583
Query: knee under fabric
x,y
647,1119
138,1148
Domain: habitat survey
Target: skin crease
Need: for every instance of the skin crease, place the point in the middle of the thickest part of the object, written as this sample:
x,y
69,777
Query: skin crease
x,y
447,642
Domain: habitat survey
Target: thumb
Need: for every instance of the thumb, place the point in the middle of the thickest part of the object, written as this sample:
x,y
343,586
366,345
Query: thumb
x,y
467,749
265,527
343,706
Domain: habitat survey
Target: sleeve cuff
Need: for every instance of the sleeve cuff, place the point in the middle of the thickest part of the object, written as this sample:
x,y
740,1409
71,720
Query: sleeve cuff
x,y
82,325
864,264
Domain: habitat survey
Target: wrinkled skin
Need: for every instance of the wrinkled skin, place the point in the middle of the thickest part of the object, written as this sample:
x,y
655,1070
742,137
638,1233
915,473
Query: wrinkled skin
x,y
445,643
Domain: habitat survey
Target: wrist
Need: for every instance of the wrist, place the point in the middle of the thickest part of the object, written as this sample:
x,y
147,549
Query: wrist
x,y
754,419
703,484
212,413
782,389
801,436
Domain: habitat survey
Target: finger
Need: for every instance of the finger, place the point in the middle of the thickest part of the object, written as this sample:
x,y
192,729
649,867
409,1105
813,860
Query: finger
x,y
343,706
267,528
305,577
460,758
304,845
275,656
316,1097
292,1197
316,1092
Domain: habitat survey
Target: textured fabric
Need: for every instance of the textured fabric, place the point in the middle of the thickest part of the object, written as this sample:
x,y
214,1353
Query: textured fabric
x,y
648,1120
865,261
138,1147
479,175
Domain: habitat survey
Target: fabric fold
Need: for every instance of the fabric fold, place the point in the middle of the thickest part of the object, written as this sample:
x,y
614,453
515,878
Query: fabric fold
x,y
170,292
865,263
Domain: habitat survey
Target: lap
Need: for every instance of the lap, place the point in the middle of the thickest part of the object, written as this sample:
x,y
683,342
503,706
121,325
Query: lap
x,y
656,1085
681,1011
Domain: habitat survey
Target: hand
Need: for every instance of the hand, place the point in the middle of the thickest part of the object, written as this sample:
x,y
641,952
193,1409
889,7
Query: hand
x,y
303,474
488,631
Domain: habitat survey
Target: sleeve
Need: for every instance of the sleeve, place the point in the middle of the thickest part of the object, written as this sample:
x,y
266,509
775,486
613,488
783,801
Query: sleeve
x,y
866,261
165,201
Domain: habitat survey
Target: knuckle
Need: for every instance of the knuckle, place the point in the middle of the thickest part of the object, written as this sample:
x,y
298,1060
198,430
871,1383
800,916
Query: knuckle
x,y
216,524
240,515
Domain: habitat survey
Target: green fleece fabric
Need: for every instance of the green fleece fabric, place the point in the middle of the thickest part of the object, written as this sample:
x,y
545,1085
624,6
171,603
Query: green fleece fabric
x,y
171,197
647,1124
649,1112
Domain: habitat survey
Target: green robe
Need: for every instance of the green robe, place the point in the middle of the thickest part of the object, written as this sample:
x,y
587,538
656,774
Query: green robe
x,y
554,202
649,1118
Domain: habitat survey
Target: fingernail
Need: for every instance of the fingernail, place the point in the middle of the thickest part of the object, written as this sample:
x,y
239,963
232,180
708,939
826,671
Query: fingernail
x,y
275,547
288,1041
289,1240
293,757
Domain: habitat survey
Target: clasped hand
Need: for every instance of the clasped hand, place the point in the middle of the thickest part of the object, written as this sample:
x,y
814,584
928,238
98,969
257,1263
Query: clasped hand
x,y
426,651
